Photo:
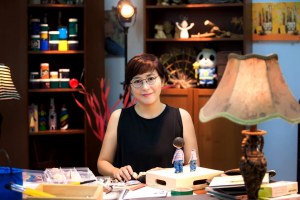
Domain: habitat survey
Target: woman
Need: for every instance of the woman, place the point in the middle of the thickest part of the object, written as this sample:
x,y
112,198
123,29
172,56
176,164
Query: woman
x,y
140,138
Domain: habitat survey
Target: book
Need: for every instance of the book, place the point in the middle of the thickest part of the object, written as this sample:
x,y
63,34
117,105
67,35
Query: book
x,y
278,189
232,181
220,194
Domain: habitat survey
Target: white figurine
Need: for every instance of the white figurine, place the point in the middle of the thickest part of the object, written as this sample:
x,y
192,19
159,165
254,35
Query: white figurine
x,y
160,34
184,27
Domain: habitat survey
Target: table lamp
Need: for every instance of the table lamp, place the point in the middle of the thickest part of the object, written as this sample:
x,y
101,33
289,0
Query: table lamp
x,y
252,90
7,87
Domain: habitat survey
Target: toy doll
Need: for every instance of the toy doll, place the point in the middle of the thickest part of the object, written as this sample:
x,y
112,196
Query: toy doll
x,y
42,118
178,158
184,27
193,161
160,34
52,115
205,67
64,118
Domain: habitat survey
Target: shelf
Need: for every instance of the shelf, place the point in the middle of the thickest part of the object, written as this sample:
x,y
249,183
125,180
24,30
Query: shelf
x,y
59,132
55,52
54,6
55,90
192,39
195,6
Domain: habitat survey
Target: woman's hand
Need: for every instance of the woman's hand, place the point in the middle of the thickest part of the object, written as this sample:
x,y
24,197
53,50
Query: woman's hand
x,y
123,172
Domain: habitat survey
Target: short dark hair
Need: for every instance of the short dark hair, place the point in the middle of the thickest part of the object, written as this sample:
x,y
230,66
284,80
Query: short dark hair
x,y
143,63
178,142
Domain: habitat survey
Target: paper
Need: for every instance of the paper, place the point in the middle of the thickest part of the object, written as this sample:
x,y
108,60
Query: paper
x,y
232,181
146,192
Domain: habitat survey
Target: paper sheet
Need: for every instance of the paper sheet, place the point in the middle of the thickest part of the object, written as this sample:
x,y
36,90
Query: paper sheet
x,y
145,192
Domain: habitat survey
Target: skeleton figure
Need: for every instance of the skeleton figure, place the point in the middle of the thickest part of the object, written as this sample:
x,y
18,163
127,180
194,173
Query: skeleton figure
x,y
184,27
52,115
205,67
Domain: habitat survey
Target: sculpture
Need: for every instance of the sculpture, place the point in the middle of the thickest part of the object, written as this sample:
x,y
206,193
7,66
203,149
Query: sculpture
x,y
184,27
177,32
42,118
52,115
160,34
64,118
168,27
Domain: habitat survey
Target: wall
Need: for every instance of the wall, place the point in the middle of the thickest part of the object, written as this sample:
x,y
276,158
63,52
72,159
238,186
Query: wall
x,y
115,67
281,138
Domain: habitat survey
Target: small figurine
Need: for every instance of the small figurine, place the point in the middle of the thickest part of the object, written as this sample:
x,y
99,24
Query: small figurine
x,y
168,27
32,119
193,161
177,32
177,2
160,34
42,118
52,115
178,158
205,67
184,27
64,118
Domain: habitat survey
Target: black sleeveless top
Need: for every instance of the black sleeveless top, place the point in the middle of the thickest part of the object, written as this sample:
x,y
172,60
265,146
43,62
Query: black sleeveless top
x,y
147,143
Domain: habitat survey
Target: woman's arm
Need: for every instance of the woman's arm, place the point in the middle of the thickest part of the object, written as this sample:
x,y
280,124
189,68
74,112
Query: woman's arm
x,y
189,136
108,151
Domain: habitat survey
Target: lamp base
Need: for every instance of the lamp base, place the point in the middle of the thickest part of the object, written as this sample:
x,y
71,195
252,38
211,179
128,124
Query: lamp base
x,y
253,164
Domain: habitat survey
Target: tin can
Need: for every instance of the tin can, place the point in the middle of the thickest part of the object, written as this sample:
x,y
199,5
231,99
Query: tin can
x,y
35,42
44,70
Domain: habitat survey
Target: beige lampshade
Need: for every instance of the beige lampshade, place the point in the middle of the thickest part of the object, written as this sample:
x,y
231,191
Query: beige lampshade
x,y
252,90
7,87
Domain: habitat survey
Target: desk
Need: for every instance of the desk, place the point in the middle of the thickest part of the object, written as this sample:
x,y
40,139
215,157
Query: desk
x,y
188,197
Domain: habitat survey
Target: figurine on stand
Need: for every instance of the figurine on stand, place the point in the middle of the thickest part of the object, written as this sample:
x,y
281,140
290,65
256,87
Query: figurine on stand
x,y
52,115
168,27
193,161
178,158
64,118
42,118
205,67
184,27
32,119
160,34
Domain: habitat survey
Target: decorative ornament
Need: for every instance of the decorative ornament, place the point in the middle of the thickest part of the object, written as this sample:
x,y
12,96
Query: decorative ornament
x,y
64,118
184,27
52,115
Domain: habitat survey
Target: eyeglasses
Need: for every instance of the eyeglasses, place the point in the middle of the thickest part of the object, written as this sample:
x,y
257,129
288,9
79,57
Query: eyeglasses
x,y
149,80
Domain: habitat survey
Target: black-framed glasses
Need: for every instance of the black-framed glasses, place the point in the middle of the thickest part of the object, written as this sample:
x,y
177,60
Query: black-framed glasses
x,y
139,82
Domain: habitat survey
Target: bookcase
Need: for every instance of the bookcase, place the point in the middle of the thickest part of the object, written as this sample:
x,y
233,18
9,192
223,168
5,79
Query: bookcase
x,y
76,146
219,141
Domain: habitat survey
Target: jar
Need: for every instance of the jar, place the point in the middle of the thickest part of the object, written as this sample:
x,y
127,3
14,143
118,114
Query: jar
x,y
44,70
54,83
34,83
62,33
35,23
44,27
73,45
63,45
73,26
64,73
53,75
54,35
34,75
53,45
44,35
44,45
45,83
64,82
35,42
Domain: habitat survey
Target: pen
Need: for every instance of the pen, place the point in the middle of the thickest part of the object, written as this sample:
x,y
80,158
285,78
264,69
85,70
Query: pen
x,y
125,192
80,183
28,191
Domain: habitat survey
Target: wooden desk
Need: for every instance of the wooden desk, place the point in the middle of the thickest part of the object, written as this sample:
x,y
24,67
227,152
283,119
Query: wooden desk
x,y
188,197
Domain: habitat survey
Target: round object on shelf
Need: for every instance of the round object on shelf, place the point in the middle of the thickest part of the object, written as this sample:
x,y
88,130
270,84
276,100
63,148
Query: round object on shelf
x,y
63,45
44,45
53,45
54,83
44,35
73,26
62,33
73,45
53,75
72,37
35,42
44,70
34,83
44,27
54,35
45,83
35,23
64,82
64,73
73,83
34,75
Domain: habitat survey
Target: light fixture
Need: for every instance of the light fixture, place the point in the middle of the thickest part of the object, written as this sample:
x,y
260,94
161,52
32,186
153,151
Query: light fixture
x,y
252,91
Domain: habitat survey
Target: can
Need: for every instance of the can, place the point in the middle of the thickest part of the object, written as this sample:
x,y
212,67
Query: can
x,y
73,26
34,75
73,45
44,45
45,83
43,27
64,83
44,70
53,75
73,38
34,83
53,45
35,23
35,42
54,83
62,33
44,35
53,35
181,191
64,73
63,45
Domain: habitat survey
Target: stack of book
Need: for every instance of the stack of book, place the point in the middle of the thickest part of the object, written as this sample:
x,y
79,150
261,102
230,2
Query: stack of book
x,y
233,187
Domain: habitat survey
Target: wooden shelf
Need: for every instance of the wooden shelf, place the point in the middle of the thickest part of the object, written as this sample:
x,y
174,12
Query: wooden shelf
x,y
55,90
192,39
59,132
55,52
195,6
54,6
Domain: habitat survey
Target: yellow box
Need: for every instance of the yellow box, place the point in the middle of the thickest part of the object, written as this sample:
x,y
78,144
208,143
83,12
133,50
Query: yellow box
x,y
70,192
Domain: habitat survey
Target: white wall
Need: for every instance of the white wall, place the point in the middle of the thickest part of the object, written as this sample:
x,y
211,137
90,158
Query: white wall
x,y
114,67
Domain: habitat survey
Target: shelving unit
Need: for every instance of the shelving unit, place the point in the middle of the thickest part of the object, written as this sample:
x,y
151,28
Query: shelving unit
x,y
218,140
75,61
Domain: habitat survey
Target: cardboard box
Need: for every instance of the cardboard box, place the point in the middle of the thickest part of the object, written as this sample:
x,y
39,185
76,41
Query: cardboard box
x,y
166,179
287,197
277,189
70,192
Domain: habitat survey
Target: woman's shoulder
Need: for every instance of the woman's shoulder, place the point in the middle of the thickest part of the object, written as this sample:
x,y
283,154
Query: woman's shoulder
x,y
184,114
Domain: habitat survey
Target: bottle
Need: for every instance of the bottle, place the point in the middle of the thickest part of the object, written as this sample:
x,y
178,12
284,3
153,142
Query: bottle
x,y
45,19
64,118
42,118
52,115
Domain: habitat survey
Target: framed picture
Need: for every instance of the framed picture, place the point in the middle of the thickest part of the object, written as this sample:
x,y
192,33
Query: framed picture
x,y
276,21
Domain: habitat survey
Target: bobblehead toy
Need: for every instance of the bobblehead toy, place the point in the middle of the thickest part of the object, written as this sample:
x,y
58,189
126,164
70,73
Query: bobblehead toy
x,y
193,161
178,158
184,27
205,67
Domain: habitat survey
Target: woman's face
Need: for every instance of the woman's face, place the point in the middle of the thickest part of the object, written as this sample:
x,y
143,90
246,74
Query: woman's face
x,y
147,93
